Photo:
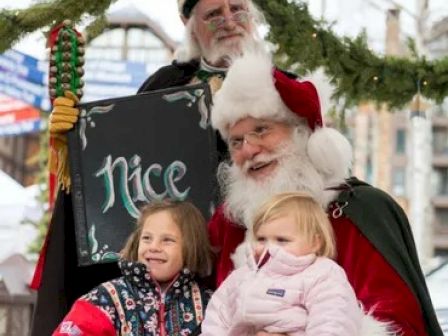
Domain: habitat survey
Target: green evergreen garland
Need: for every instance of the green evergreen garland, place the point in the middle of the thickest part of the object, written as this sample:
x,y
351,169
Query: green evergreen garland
x,y
358,74
303,43
14,24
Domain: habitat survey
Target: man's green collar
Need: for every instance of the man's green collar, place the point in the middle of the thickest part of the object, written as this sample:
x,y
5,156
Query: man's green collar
x,y
204,75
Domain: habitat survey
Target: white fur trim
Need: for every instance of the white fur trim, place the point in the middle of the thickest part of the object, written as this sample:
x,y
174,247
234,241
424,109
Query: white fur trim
x,y
242,251
372,327
330,153
239,257
248,91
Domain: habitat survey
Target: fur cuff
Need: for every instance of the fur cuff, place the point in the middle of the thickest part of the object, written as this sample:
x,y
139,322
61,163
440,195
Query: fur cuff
x,y
372,327
240,257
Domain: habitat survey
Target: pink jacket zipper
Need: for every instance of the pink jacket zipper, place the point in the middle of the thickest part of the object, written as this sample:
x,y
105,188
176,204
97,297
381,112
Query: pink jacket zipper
x,y
162,327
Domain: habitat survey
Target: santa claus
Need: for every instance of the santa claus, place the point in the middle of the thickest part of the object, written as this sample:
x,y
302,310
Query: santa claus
x,y
277,141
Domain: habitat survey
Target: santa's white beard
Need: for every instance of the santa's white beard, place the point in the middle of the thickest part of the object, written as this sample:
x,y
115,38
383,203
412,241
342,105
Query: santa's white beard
x,y
243,195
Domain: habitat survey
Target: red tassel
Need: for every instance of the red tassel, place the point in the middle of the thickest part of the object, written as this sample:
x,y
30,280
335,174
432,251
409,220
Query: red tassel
x,y
53,35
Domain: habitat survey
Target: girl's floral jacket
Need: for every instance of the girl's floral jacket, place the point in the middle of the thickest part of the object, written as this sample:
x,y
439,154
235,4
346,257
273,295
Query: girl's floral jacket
x,y
134,305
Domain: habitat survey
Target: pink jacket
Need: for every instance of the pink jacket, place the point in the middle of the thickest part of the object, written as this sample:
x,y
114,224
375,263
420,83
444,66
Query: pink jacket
x,y
305,295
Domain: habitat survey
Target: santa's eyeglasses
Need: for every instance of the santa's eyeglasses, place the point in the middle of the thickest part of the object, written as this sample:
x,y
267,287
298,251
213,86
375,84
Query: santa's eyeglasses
x,y
217,22
255,137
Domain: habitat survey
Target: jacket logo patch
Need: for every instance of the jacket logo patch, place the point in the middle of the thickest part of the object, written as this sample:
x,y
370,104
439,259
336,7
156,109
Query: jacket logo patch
x,y
276,292
70,329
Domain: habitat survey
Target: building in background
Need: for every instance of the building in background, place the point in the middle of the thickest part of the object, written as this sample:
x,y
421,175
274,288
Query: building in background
x,y
382,141
132,36
125,54
439,180
380,135
437,42
437,45
117,62
16,299
22,98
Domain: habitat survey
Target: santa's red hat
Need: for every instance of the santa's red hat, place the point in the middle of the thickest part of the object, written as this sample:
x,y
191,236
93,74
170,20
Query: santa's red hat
x,y
254,88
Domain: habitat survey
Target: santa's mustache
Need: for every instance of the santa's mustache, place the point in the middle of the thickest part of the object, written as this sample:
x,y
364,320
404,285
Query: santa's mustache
x,y
221,34
257,161
264,158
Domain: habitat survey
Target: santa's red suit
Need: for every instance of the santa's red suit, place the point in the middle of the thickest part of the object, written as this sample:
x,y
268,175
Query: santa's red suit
x,y
374,240
378,287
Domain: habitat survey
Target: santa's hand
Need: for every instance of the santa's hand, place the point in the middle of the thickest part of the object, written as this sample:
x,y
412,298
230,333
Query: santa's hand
x,y
64,114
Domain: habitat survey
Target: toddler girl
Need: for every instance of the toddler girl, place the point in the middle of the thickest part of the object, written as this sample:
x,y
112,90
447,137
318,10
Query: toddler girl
x,y
289,284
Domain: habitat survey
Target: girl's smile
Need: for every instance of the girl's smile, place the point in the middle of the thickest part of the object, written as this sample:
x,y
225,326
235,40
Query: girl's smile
x,y
160,247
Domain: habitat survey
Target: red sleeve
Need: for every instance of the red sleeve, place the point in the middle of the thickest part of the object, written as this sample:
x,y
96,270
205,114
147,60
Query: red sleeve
x,y
224,237
377,285
85,319
214,225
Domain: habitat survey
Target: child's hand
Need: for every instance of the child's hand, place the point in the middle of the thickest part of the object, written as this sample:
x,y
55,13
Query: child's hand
x,y
264,333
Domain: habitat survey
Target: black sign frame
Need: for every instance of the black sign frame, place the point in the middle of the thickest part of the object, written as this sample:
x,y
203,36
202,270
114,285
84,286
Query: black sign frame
x,y
184,167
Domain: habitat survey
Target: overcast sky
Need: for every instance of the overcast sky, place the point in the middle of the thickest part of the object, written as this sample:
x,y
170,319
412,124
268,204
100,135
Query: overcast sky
x,y
349,17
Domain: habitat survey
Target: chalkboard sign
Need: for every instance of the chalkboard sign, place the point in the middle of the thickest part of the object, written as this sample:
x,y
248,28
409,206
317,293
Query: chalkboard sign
x,y
126,152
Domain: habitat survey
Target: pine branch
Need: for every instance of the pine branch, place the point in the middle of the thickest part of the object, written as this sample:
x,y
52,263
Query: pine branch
x,y
15,24
304,44
359,75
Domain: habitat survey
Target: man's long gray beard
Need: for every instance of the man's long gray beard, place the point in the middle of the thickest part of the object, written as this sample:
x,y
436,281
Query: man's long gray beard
x,y
228,51
243,195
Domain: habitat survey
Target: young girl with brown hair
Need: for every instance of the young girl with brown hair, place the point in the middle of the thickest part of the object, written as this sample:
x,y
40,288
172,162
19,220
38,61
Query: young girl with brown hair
x,y
158,293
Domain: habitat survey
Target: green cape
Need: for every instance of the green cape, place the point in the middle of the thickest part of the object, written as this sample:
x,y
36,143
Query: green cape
x,y
386,226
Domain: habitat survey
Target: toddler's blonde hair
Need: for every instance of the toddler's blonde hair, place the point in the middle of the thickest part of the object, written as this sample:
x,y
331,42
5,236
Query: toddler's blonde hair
x,y
310,218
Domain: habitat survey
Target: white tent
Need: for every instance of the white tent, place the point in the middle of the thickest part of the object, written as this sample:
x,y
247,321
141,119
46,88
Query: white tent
x,y
16,204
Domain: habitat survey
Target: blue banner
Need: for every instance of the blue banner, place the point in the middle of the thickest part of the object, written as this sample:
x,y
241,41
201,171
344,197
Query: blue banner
x,y
25,78
24,66
115,72
15,86
29,126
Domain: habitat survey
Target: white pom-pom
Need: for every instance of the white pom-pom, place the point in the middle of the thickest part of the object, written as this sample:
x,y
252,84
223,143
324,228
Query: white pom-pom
x,y
331,153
